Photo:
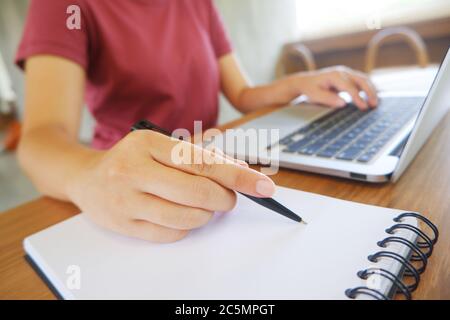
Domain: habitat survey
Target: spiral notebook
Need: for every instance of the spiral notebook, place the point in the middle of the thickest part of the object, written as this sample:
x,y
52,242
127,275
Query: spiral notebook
x,y
347,251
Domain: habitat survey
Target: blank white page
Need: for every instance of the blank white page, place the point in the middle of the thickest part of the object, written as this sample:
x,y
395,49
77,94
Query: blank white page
x,y
249,253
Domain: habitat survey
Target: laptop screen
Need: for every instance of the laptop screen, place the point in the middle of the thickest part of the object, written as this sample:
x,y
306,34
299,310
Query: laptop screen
x,y
434,108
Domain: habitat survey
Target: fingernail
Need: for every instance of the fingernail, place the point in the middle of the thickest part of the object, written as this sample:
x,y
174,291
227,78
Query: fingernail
x,y
265,188
243,163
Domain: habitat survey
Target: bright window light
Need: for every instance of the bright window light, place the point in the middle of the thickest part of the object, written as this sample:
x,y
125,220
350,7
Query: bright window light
x,y
321,18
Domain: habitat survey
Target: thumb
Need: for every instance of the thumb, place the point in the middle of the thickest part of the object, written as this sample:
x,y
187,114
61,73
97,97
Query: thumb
x,y
328,98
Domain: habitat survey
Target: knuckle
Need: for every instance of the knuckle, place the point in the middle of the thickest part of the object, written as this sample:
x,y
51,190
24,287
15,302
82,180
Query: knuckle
x,y
363,77
336,73
342,68
360,74
354,92
201,191
342,72
210,196
194,218
203,168
238,179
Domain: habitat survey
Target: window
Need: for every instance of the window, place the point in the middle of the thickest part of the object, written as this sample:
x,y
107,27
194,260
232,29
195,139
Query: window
x,y
321,18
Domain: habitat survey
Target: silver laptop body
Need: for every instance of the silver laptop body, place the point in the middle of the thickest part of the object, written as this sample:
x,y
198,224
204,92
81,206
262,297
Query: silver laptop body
x,y
374,146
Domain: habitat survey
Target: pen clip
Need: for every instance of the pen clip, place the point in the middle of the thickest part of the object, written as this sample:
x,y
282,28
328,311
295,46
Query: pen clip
x,y
147,125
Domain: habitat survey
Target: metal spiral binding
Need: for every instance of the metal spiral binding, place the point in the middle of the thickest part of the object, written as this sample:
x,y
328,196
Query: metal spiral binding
x,y
396,281
353,293
409,268
418,256
426,242
424,220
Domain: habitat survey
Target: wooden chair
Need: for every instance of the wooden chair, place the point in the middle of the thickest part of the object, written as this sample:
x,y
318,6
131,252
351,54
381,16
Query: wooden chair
x,y
9,120
291,55
11,136
417,77
10,128
403,33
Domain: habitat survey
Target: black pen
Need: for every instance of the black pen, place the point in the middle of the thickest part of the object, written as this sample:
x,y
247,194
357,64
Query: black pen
x,y
268,203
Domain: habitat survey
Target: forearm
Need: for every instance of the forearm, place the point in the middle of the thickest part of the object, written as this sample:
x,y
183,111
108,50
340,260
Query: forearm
x,y
247,98
52,159
278,93
253,98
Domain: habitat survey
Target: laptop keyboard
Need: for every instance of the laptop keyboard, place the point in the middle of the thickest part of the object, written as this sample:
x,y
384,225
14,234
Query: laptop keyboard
x,y
351,134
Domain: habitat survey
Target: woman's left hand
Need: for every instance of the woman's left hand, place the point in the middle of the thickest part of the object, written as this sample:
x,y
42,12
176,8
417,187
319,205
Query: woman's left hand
x,y
323,87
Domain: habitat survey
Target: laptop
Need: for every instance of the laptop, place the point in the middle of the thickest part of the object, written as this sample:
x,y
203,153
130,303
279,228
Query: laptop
x,y
373,146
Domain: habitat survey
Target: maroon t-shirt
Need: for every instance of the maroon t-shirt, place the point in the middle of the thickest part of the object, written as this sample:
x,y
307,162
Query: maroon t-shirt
x,y
144,59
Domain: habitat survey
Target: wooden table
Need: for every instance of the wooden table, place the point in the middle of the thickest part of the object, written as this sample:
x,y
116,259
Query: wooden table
x,y
425,187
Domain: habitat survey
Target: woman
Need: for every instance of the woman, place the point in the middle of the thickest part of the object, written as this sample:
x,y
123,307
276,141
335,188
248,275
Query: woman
x,y
163,60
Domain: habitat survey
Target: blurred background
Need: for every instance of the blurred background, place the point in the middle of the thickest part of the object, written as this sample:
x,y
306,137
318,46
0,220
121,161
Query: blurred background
x,y
395,40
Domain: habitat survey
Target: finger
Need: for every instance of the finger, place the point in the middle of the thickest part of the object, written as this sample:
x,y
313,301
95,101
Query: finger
x,y
329,98
364,84
183,188
159,211
150,232
201,162
343,83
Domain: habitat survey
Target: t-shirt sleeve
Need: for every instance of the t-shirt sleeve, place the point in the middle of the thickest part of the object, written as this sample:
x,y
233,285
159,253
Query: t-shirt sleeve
x,y
219,36
56,27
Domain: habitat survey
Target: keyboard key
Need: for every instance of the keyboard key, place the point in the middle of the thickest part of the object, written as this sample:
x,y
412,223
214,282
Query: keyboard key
x,y
328,152
311,149
366,157
340,143
359,145
326,117
349,135
305,129
297,137
315,147
319,132
287,150
294,147
367,137
323,141
329,124
349,154
358,129
333,133
374,149
307,151
379,144
285,141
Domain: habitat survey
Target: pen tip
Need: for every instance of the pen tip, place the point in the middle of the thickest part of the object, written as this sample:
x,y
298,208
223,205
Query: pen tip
x,y
304,222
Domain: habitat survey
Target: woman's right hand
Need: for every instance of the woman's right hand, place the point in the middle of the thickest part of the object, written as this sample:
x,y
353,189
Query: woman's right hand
x,y
134,188
137,189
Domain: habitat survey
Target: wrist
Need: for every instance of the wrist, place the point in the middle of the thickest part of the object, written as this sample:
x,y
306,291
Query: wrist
x,y
286,89
75,181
